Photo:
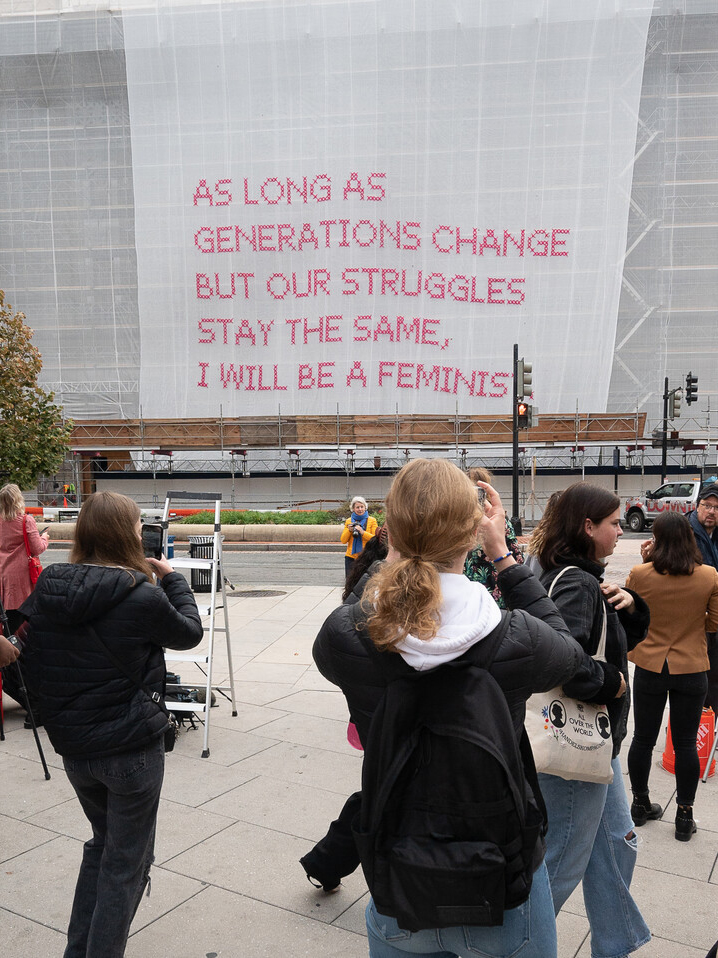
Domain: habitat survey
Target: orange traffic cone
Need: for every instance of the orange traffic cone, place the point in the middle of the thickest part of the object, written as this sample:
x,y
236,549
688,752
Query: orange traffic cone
x,y
704,744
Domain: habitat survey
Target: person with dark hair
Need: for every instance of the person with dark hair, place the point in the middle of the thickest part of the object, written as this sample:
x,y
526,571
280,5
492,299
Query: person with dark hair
x,y
478,566
590,835
85,618
422,608
704,522
671,663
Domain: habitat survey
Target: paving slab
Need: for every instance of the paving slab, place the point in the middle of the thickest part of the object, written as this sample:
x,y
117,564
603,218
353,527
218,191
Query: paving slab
x,y
265,801
219,922
23,936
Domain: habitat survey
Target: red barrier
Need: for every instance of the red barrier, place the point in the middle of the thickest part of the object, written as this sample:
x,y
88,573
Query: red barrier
x,y
704,743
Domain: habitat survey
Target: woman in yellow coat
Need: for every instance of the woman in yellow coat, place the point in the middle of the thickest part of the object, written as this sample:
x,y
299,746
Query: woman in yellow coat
x,y
671,662
358,530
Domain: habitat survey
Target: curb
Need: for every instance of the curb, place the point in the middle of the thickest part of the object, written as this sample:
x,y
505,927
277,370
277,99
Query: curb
x,y
242,538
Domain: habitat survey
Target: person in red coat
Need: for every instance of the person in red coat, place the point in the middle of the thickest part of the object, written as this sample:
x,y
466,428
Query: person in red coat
x,y
15,585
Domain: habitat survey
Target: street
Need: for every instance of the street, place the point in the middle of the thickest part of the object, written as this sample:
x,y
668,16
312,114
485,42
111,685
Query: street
x,y
261,567
271,568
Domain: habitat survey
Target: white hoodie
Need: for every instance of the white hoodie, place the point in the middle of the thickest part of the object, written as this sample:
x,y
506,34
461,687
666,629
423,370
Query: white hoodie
x,y
467,614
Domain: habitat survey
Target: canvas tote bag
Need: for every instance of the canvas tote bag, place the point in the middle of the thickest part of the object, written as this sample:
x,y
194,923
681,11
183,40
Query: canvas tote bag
x,y
571,739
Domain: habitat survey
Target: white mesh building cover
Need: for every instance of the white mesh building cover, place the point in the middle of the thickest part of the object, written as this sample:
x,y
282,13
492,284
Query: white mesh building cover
x,y
360,206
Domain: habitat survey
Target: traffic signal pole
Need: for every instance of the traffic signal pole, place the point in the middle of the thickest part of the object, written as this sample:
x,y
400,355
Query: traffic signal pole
x,y
664,440
515,471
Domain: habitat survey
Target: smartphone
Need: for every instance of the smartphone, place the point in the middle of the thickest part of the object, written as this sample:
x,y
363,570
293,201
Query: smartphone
x,y
152,540
482,496
43,531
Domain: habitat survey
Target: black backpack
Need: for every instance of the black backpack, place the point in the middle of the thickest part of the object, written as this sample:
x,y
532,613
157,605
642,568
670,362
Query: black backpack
x,y
448,827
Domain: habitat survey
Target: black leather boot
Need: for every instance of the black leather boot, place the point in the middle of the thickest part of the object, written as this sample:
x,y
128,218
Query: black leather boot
x,y
685,826
643,809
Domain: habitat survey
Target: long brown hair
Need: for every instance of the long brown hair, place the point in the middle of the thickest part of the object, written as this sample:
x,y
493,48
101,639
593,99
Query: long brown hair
x,y
564,527
106,534
432,512
675,551
539,534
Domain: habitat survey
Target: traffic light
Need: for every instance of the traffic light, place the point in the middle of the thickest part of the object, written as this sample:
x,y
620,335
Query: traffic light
x,y
523,378
674,404
524,415
691,389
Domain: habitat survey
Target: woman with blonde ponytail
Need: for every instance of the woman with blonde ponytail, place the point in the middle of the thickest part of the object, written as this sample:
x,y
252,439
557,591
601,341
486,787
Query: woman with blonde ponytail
x,y
434,516
421,606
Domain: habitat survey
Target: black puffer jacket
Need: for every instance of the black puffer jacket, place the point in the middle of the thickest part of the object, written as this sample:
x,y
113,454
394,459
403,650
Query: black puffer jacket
x,y
536,654
579,599
88,706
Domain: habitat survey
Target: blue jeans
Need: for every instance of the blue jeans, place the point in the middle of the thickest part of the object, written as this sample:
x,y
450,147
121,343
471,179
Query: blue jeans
x,y
528,931
586,841
119,795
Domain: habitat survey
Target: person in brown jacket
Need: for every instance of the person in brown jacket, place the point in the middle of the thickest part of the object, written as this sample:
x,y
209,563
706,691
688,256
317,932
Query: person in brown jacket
x,y
672,661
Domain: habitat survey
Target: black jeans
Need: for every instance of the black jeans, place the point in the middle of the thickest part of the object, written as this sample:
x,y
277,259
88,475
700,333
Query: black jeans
x,y
119,795
685,694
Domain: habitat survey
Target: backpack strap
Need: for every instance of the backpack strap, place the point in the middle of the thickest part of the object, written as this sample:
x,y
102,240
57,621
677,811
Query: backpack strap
x,y
483,653
24,535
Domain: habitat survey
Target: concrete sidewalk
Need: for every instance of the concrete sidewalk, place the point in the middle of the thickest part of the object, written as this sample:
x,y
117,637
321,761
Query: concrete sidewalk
x,y
232,827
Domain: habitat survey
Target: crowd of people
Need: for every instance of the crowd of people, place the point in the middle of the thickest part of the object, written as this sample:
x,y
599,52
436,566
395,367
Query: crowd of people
x,y
423,604
444,632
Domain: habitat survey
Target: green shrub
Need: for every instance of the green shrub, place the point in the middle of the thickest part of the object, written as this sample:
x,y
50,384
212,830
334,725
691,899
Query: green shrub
x,y
236,517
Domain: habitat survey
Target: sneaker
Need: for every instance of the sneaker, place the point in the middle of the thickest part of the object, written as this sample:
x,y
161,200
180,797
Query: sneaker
x,y
644,810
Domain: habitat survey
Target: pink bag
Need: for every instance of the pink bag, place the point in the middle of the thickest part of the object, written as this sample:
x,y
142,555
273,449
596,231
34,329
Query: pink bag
x,y
353,737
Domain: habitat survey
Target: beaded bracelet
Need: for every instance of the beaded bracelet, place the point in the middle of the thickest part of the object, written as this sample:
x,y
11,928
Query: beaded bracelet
x,y
501,558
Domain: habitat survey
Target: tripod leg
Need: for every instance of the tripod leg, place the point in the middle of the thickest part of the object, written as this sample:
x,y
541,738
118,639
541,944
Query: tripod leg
x,y
23,689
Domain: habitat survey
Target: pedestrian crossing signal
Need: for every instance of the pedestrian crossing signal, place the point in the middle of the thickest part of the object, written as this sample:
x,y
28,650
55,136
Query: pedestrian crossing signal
x,y
524,415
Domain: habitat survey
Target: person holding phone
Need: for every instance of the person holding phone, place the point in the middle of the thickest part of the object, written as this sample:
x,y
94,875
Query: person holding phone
x,y
15,584
101,608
